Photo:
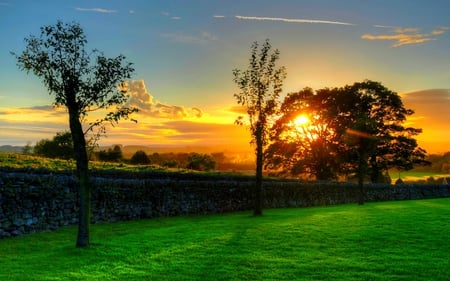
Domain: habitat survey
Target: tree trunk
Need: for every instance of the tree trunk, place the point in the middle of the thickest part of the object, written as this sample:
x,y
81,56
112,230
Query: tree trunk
x,y
257,211
362,170
84,193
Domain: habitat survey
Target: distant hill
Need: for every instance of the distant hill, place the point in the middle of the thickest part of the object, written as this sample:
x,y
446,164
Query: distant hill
x,y
10,148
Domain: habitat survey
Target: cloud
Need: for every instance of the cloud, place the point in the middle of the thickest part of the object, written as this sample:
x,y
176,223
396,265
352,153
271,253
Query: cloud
x,y
292,20
97,10
143,100
167,14
385,26
238,109
406,36
191,39
207,133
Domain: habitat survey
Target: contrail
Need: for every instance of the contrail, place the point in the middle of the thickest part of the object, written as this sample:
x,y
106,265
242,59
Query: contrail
x,y
293,20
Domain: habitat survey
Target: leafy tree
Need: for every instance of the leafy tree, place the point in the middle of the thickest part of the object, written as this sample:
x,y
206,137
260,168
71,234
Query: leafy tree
x,y
260,86
395,144
61,146
354,129
59,58
200,162
140,158
304,138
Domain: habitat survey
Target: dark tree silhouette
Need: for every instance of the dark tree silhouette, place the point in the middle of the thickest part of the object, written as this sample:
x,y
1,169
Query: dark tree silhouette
x,y
61,146
354,129
310,147
140,158
260,86
59,58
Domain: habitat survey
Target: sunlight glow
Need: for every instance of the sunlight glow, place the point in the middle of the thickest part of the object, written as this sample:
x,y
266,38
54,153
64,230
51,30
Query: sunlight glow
x,y
301,120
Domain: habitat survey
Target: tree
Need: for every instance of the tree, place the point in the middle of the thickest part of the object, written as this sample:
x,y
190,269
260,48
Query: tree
x,y
353,129
260,86
111,155
304,139
59,58
395,144
139,158
200,162
61,146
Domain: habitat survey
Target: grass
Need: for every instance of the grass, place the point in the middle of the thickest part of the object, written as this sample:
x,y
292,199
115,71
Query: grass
x,y
416,176
403,240
21,161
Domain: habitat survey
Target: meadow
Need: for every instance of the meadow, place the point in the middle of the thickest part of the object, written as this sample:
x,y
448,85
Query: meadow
x,y
402,240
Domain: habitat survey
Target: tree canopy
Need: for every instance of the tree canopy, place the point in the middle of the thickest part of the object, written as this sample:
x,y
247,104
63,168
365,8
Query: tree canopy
x,y
347,125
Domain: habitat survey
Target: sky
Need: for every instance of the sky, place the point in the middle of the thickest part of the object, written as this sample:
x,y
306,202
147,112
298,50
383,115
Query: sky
x,y
184,53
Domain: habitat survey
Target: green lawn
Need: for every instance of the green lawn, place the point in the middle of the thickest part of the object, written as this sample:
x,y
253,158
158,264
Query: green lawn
x,y
403,240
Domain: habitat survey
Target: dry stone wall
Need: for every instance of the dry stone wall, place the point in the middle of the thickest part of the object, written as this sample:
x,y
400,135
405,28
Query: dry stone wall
x,y
32,201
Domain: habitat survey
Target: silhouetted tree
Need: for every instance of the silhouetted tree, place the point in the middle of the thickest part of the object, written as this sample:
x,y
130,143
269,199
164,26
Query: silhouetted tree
x,y
59,58
260,86
395,144
111,155
200,162
61,146
309,148
140,158
354,129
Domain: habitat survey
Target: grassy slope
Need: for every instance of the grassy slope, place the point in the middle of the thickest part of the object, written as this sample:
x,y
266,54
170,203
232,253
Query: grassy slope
x,y
407,240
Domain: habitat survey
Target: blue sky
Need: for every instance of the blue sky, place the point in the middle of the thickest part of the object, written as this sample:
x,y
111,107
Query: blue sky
x,y
184,53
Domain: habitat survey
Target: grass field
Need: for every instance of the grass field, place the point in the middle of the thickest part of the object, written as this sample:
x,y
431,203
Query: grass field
x,y
414,176
404,240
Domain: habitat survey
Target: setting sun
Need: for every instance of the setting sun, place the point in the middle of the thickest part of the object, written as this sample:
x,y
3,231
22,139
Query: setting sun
x,y
301,120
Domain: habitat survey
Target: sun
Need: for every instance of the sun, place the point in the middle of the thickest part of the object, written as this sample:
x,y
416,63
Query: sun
x,y
301,120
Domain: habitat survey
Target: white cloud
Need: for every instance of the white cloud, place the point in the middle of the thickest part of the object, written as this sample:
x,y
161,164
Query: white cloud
x,y
293,20
406,36
167,14
144,101
97,10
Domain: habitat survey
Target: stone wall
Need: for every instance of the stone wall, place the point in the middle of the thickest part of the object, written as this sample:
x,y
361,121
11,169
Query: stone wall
x,y
32,201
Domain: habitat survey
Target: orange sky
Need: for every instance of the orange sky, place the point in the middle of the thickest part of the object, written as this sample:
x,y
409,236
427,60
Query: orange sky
x,y
432,114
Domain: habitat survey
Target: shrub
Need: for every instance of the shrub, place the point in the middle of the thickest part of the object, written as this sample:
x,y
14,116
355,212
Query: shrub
x,y
140,158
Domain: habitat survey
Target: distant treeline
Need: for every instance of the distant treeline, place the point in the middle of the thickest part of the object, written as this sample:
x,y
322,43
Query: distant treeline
x,y
440,163
61,147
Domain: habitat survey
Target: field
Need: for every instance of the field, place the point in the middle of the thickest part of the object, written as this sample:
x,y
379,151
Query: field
x,y
404,240
414,176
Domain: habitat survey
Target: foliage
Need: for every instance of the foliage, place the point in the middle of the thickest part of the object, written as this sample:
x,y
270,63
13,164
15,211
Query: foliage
x,y
309,148
332,243
260,86
59,58
354,129
200,162
111,155
140,158
61,146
